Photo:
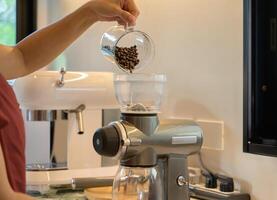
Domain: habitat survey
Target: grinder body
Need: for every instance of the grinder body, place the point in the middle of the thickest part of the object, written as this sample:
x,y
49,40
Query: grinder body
x,y
143,142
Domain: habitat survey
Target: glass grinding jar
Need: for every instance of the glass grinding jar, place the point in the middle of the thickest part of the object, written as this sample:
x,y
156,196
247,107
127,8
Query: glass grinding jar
x,y
131,50
138,183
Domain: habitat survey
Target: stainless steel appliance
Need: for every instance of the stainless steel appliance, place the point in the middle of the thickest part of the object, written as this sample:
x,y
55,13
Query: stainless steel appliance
x,y
52,139
153,155
58,131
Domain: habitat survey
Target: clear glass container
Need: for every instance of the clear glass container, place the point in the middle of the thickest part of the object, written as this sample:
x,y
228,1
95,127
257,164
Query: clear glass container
x,y
139,93
118,38
135,183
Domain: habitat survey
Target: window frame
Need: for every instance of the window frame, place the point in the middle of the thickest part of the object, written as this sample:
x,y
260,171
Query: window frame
x,y
249,88
26,18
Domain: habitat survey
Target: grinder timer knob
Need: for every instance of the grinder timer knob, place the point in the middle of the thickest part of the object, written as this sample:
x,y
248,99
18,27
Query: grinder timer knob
x,y
226,183
106,141
211,180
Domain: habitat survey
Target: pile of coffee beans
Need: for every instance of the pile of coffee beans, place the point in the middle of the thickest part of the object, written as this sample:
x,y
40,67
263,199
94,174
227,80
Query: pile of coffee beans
x,y
139,107
127,57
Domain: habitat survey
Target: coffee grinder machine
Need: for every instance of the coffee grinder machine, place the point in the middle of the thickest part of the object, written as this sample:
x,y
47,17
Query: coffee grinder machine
x,y
153,154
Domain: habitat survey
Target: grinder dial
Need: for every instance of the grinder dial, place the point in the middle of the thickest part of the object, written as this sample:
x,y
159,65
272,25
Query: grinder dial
x,y
106,141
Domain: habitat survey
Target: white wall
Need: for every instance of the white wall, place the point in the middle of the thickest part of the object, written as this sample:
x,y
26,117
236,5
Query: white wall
x,y
199,46
203,59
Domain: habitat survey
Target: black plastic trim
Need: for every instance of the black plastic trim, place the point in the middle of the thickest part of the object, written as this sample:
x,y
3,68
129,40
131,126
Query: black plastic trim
x,y
264,150
248,107
249,79
26,18
138,114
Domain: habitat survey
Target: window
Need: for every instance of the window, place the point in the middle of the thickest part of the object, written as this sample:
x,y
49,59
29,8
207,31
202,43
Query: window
x,y
17,20
8,22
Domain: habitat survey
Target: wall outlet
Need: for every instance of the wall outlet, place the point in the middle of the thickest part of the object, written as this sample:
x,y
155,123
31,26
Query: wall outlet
x,y
213,133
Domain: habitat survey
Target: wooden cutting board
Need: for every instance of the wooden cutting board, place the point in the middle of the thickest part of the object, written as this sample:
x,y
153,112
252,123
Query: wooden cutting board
x,y
99,193
103,193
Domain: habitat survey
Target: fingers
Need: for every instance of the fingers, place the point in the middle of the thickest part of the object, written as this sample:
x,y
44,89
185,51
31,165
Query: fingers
x,y
125,12
131,7
127,17
120,21
114,18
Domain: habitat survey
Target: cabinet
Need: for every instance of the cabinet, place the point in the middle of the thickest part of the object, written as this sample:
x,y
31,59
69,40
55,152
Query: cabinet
x,y
260,77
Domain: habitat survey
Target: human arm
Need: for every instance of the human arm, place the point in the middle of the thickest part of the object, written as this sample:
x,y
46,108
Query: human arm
x,y
6,192
41,47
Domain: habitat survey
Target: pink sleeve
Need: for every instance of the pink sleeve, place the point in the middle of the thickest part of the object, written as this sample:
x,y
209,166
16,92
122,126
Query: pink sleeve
x,y
3,120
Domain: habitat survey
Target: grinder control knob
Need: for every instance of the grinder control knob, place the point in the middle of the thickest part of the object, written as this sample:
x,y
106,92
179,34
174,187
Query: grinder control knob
x,y
106,141
211,180
226,183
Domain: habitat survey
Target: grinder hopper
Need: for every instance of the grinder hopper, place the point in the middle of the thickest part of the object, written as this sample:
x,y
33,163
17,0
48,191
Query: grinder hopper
x,y
139,93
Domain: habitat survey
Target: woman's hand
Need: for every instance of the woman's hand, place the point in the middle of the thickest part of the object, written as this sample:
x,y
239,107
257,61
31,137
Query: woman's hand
x,y
124,12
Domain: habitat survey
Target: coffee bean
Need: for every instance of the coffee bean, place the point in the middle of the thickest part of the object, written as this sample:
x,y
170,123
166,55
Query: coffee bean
x,y
127,57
